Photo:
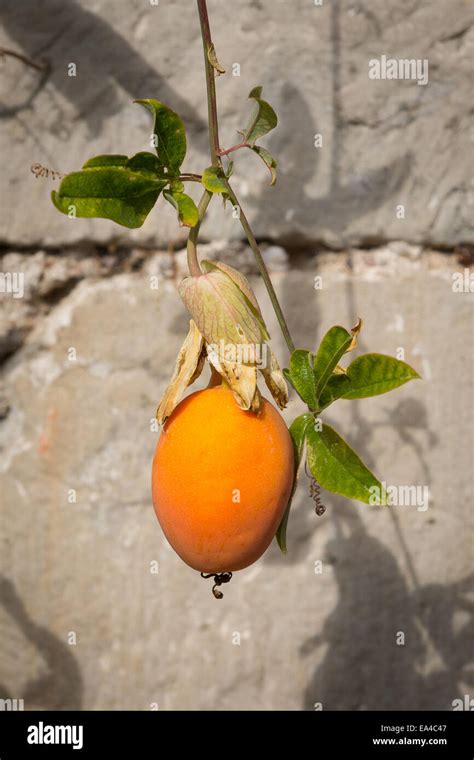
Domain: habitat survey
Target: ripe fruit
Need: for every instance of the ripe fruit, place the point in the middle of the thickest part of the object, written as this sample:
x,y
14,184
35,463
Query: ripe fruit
x,y
221,480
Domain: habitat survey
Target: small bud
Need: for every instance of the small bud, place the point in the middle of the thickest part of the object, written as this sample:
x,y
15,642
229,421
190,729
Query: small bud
x,y
221,310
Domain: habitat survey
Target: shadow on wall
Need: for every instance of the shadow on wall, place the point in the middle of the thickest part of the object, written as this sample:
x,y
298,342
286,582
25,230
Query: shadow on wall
x,y
298,165
364,667
407,417
60,688
62,31
350,195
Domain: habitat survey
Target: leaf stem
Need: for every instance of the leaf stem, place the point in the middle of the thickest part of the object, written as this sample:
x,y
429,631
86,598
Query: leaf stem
x,y
190,177
222,152
193,261
263,270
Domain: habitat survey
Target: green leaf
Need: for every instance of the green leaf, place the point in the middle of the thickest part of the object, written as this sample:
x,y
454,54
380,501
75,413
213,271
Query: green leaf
x,y
268,159
298,429
108,192
301,376
335,387
188,214
263,118
146,162
214,180
177,186
373,374
169,133
332,347
338,468
106,160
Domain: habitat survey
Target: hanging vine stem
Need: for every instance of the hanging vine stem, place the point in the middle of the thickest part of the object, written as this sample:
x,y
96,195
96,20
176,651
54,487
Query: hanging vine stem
x,y
216,152
210,83
263,270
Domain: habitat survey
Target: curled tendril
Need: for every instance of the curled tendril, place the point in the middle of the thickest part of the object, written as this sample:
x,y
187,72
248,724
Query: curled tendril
x,y
42,171
315,493
219,579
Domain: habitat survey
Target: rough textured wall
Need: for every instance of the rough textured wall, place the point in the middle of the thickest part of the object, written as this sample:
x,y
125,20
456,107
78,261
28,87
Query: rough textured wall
x,y
78,535
384,143
305,637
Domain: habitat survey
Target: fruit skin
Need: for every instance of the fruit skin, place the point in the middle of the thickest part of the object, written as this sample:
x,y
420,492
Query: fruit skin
x,y
208,449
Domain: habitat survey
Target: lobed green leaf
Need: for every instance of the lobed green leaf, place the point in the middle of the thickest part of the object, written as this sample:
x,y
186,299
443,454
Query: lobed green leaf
x,y
335,388
373,374
146,162
188,213
263,118
106,160
332,347
170,135
108,192
301,376
297,429
268,159
214,180
338,468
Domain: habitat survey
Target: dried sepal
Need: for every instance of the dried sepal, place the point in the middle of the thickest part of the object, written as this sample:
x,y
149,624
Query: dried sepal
x,y
188,367
338,369
227,316
275,380
241,379
355,332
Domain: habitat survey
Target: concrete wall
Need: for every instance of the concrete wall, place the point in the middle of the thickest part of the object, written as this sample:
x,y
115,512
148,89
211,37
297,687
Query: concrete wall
x,y
84,623
84,567
384,143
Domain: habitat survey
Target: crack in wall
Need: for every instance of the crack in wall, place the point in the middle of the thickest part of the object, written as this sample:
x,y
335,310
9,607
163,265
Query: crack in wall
x,y
52,275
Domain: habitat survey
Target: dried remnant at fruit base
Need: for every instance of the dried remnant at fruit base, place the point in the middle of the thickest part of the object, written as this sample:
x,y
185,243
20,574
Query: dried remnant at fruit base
x,y
227,328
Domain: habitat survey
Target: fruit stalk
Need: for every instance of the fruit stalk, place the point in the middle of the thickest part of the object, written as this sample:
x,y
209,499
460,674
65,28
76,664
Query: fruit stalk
x,y
191,248
216,161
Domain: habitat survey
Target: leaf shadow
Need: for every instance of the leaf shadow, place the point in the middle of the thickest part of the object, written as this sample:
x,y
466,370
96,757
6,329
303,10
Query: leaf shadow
x,y
351,194
63,31
363,667
60,687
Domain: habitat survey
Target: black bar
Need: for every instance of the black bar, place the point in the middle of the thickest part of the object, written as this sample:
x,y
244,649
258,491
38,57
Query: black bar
x,y
143,734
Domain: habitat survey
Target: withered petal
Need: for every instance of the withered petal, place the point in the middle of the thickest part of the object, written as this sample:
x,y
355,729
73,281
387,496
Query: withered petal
x,y
188,367
275,380
241,378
